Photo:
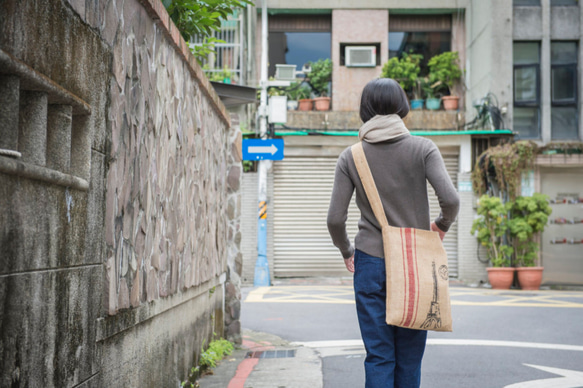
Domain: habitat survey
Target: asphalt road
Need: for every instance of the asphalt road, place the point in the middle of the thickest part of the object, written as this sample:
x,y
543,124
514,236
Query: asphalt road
x,y
501,338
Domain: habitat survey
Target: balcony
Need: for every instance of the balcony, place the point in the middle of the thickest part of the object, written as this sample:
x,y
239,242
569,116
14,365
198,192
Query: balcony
x,y
416,120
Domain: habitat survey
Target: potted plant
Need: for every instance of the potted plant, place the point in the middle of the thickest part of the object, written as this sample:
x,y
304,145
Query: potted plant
x,y
445,71
292,93
305,103
320,78
405,70
491,226
432,101
528,218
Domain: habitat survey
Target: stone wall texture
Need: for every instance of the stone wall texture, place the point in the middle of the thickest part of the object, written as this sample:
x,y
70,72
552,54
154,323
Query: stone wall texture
x,y
119,284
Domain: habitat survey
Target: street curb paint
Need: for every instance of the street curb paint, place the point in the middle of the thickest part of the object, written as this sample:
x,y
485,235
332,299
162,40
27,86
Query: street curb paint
x,y
246,366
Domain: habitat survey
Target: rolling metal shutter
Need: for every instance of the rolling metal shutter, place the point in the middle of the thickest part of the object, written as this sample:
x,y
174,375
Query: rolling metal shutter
x,y
450,241
301,195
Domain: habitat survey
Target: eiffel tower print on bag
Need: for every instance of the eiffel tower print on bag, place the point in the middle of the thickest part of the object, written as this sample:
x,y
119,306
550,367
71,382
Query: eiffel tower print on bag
x,y
416,266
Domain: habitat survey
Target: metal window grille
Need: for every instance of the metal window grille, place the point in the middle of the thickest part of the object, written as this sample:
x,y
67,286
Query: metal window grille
x,y
228,56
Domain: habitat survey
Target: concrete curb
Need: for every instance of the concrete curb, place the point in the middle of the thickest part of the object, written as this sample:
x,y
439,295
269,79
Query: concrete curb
x,y
238,370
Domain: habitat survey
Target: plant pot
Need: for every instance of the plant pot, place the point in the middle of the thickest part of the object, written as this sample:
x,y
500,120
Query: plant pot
x,y
450,102
530,278
322,103
433,103
417,104
500,278
292,105
305,104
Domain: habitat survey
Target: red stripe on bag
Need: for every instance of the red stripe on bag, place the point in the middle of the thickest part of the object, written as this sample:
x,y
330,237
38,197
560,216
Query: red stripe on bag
x,y
404,272
417,273
411,277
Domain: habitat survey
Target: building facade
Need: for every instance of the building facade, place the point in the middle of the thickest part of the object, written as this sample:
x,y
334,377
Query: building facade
x,y
522,56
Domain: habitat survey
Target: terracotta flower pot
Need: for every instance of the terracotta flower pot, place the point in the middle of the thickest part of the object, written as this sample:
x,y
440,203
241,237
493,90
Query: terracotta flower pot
x,y
530,278
500,278
322,103
450,102
305,104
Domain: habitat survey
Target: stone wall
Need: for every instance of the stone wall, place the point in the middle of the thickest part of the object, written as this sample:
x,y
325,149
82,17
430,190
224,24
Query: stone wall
x,y
116,271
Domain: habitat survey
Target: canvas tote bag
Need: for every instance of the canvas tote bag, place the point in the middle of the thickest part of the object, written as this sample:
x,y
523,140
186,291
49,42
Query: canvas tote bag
x,y
416,266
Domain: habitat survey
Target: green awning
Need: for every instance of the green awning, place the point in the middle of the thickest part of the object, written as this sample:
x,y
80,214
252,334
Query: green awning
x,y
414,133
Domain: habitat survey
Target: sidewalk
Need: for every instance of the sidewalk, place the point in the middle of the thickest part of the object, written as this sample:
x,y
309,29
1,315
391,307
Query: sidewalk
x,y
267,361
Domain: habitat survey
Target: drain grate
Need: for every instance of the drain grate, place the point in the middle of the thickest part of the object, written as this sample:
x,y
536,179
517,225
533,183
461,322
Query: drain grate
x,y
272,354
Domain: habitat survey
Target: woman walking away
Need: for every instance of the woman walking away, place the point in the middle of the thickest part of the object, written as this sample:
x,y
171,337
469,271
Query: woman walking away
x,y
400,165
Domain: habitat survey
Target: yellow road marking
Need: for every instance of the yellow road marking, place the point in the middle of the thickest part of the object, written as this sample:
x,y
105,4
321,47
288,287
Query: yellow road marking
x,y
338,294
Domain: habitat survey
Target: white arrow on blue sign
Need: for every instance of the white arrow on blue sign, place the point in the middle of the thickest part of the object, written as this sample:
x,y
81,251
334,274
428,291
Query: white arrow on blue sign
x,y
258,149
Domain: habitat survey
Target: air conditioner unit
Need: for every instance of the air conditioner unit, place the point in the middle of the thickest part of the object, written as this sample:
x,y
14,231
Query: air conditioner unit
x,y
285,72
360,56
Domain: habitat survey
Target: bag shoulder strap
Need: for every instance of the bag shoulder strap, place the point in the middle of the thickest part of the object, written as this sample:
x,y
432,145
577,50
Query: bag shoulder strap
x,y
368,183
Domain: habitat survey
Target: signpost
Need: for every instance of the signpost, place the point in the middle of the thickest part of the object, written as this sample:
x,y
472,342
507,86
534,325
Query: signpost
x,y
259,149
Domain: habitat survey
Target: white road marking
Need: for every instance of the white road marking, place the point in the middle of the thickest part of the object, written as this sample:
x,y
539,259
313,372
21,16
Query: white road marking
x,y
570,379
357,343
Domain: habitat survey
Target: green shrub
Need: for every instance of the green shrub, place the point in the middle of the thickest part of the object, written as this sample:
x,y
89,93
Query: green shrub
x,y
321,75
491,226
528,217
405,71
216,351
444,70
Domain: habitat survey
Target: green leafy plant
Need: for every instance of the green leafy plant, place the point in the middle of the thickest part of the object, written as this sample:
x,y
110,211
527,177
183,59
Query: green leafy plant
x,y
444,70
491,226
298,91
528,217
215,352
320,76
503,165
201,17
224,75
275,92
209,359
405,71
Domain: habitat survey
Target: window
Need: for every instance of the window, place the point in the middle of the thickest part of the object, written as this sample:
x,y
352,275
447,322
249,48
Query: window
x,y
564,114
527,89
564,2
427,35
518,3
298,39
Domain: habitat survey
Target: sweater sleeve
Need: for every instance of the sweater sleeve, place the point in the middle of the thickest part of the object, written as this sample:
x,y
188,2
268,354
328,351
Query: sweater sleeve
x,y
449,201
338,210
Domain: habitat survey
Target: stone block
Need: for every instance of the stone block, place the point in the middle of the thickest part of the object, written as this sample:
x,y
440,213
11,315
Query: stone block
x,y
234,178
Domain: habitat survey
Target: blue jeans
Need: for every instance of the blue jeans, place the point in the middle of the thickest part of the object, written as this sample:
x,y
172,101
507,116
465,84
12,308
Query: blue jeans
x,y
393,354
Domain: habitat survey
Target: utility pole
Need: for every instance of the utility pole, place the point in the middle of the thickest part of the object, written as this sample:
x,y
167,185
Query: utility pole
x,y
262,277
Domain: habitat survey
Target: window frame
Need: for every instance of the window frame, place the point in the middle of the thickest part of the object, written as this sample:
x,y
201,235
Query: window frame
x,y
565,102
526,5
572,103
534,103
570,3
530,103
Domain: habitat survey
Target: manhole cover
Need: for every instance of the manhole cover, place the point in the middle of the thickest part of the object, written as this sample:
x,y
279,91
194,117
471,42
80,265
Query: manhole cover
x,y
272,354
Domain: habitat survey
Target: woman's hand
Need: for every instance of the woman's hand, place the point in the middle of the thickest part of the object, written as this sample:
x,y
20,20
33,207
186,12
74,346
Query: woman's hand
x,y
434,228
349,264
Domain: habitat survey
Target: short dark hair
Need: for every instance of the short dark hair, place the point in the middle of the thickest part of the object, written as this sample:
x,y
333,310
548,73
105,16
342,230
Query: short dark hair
x,y
383,96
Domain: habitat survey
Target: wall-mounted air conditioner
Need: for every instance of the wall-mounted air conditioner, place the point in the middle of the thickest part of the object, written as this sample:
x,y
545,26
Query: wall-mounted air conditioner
x,y
360,56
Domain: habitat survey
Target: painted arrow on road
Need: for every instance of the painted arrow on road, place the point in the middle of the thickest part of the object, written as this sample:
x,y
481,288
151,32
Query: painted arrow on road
x,y
570,379
263,150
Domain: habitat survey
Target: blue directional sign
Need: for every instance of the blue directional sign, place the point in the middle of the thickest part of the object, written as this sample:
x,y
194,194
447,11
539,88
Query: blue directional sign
x,y
257,149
